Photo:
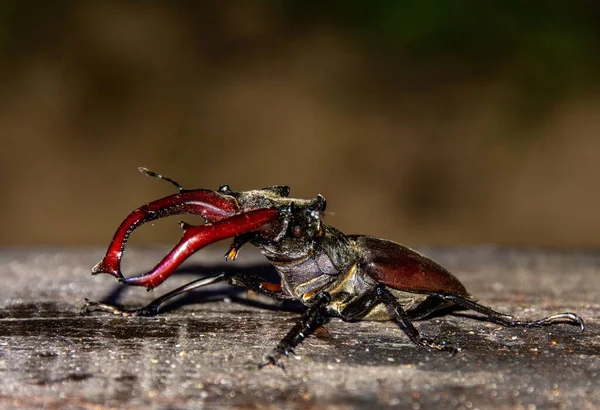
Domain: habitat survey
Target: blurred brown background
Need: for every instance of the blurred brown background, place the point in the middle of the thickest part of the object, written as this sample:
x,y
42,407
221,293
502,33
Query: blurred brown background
x,y
426,122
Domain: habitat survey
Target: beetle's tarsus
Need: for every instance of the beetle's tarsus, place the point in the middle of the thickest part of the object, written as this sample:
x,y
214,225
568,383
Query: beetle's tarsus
x,y
566,318
442,346
236,244
452,350
231,253
271,362
581,324
509,320
90,306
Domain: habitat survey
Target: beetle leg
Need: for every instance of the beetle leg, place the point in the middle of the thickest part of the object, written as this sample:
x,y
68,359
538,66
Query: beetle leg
x,y
407,326
197,237
152,308
431,304
236,244
379,294
509,320
313,318
361,306
240,279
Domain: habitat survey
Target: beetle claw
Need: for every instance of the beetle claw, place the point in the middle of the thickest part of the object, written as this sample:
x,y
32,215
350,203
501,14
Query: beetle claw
x,y
231,254
91,306
442,346
271,362
571,318
451,349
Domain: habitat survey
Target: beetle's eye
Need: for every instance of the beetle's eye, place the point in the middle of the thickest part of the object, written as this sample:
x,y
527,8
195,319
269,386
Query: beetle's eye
x,y
297,231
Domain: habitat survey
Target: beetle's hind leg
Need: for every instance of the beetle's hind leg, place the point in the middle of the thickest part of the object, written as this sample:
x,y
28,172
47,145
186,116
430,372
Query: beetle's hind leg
x,y
509,320
240,279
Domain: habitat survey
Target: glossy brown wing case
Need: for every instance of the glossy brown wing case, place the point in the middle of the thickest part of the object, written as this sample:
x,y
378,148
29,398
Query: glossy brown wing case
x,y
404,269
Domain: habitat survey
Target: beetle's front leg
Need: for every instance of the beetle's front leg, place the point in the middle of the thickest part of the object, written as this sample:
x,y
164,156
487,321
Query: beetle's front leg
x,y
151,309
313,318
236,244
241,279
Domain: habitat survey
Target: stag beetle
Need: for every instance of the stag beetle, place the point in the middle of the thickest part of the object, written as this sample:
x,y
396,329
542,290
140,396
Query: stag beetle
x,y
354,277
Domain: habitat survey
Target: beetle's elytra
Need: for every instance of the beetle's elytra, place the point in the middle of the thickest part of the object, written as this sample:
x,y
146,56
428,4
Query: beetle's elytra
x,y
354,277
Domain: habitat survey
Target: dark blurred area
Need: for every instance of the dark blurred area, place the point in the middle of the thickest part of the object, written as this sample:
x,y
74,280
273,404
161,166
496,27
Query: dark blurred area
x,y
425,122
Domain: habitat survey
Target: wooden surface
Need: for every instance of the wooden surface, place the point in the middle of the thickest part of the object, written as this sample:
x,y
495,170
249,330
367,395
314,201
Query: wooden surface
x,y
202,351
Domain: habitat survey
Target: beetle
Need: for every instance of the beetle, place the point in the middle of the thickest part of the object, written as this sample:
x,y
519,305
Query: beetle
x,y
353,277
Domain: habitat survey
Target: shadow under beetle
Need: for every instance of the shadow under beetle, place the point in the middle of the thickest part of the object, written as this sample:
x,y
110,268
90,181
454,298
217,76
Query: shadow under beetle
x,y
354,277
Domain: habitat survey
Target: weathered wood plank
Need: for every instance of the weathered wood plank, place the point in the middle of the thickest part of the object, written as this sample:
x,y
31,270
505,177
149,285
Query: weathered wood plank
x,y
204,354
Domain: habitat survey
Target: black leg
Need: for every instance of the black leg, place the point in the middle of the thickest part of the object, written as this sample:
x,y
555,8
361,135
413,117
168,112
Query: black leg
x,y
407,326
508,320
241,279
362,305
427,307
237,243
379,294
313,318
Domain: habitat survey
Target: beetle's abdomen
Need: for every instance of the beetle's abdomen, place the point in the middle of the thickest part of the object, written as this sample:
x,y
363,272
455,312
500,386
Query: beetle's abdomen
x,y
402,268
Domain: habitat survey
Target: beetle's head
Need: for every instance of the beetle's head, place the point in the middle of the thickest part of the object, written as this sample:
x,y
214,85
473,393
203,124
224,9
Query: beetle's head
x,y
298,225
304,218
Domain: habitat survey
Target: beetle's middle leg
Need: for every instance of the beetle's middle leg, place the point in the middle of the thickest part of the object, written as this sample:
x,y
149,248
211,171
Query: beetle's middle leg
x,y
240,279
379,294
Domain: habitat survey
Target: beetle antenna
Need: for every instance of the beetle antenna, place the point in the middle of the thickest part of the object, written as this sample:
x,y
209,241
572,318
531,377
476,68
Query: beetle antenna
x,y
153,174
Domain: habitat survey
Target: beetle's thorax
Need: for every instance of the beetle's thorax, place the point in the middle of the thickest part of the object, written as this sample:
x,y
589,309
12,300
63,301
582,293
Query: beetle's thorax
x,y
315,267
